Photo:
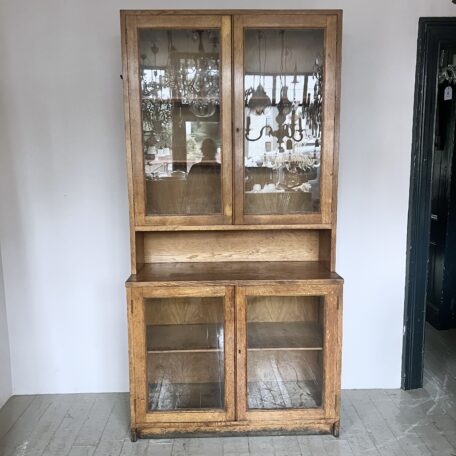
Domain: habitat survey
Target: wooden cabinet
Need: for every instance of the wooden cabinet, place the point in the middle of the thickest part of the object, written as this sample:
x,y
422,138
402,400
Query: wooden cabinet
x,y
234,305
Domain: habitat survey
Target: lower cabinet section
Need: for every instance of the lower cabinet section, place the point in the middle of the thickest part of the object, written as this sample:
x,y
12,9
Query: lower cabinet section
x,y
235,359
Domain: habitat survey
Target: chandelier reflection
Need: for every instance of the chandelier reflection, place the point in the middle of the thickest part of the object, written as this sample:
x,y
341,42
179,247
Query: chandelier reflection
x,y
190,77
258,100
179,77
291,114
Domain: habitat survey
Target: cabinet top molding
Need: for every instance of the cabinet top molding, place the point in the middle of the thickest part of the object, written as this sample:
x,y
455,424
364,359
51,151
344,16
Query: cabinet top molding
x,y
167,12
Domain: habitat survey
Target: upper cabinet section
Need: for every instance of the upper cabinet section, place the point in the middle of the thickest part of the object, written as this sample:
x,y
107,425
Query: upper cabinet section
x,y
285,73
232,118
179,83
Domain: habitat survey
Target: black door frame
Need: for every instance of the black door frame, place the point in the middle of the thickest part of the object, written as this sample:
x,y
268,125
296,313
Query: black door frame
x,y
432,34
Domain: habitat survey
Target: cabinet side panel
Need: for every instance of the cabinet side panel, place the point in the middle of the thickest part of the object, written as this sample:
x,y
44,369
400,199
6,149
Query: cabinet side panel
x,y
338,376
332,354
336,143
138,252
126,103
328,134
131,358
325,244
135,119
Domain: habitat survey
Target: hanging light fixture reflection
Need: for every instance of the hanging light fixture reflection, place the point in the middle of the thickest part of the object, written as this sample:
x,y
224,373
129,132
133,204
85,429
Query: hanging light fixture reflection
x,y
285,131
259,101
202,98
192,79
290,114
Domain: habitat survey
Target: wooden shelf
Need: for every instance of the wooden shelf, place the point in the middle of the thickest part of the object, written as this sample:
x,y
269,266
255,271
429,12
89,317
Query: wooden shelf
x,y
184,338
233,273
300,335
209,337
161,227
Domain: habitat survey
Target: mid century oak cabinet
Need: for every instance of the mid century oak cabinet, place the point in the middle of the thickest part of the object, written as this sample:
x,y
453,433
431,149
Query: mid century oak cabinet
x,y
234,307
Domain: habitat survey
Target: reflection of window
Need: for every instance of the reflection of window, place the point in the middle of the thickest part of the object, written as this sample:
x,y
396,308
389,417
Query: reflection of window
x,y
195,133
272,85
155,75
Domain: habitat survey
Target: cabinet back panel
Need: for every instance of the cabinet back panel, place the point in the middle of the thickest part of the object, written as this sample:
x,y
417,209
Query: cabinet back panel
x,y
283,308
185,367
178,311
208,246
284,366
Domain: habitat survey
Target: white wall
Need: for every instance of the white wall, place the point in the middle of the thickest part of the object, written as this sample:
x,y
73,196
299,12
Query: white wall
x,y
5,362
64,215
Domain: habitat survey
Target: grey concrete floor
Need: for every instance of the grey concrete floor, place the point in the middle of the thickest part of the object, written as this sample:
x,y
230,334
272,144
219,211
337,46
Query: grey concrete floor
x,y
374,422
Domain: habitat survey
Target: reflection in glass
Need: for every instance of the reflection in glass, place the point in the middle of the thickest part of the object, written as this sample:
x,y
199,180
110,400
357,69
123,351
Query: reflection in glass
x,y
185,357
283,83
180,106
284,352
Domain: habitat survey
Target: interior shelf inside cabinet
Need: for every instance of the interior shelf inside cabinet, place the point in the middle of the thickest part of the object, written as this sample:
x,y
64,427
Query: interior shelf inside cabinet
x,y
299,335
185,380
232,271
209,337
178,338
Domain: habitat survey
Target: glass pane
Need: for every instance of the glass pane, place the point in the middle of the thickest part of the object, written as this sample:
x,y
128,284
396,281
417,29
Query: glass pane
x,y
180,104
284,352
283,83
185,341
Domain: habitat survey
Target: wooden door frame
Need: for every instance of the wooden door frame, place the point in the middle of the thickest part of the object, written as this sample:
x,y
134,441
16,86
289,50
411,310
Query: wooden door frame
x,y
332,295
331,23
133,24
139,356
432,34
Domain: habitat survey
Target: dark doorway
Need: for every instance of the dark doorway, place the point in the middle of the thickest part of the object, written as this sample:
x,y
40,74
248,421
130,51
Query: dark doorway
x,y
441,281
431,240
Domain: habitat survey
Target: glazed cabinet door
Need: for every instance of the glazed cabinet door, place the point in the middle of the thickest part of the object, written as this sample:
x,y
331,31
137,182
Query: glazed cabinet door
x,y
183,352
179,114
287,352
285,80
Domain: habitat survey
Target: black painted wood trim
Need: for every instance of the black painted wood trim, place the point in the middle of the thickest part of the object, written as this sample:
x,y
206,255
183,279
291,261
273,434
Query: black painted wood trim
x,y
432,34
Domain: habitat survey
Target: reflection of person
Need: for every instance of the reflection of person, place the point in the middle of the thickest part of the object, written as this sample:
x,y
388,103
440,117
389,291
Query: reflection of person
x,y
203,182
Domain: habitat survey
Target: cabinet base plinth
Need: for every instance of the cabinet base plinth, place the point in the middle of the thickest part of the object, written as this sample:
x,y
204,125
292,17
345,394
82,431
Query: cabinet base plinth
x,y
176,430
